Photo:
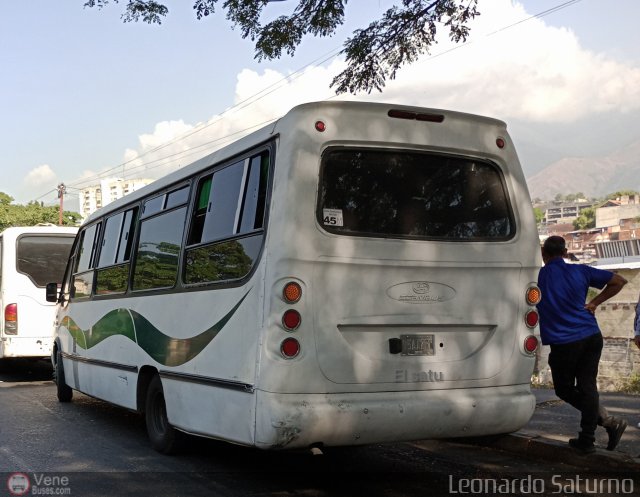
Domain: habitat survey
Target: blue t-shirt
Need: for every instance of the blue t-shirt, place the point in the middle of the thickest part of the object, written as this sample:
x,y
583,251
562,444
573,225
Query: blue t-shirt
x,y
563,318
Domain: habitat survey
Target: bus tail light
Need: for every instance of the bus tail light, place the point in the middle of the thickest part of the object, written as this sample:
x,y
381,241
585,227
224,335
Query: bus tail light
x,y
292,292
530,344
533,295
289,348
531,318
291,320
11,319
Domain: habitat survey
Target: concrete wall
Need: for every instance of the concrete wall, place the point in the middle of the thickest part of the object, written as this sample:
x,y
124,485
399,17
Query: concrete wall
x,y
611,216
620,356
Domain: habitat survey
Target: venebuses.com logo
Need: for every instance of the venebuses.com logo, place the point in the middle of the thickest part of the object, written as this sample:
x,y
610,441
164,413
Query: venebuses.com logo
x,y
38,484
18,484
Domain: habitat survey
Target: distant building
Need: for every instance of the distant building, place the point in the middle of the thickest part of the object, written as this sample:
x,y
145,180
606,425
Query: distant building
x,y
609,214
94,197
621,219
564,212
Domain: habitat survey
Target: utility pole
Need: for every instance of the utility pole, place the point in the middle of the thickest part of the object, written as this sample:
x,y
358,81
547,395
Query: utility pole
x,y
62,189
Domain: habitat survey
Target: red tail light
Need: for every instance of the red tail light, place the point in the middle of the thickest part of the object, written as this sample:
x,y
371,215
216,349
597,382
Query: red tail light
x,y
531,318
290,348
11,319
530,344
291,320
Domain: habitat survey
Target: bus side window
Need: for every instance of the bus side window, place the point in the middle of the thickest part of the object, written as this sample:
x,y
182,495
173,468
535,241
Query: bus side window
x,y
230,201
223,209
157,254
112,275
253,202
200,211
226,238
82,284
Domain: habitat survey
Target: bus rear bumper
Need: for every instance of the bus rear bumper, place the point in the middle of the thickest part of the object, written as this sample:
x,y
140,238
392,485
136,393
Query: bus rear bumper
x,y
16,346
290,421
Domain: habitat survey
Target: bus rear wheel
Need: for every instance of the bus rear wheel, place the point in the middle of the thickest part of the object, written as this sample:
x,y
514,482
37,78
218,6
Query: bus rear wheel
x,y
64,391
164,437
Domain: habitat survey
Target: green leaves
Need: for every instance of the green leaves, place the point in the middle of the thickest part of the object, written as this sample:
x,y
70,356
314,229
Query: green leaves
x,y
32,214
374,54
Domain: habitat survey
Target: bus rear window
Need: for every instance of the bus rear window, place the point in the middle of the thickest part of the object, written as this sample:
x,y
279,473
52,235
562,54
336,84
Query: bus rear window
x,y
402,194
43,258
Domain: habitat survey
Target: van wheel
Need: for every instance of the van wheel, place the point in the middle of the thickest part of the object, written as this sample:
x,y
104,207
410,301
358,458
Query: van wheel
x,y
164,437
64,391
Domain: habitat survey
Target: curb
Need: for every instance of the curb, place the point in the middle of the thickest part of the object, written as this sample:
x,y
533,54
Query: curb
x,y
535,446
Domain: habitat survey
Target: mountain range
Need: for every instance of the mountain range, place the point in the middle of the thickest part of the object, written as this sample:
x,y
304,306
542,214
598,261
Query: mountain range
x,y
594,176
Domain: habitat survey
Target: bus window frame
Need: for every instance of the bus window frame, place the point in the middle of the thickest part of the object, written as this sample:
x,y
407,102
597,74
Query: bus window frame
x,y
490,163
267,148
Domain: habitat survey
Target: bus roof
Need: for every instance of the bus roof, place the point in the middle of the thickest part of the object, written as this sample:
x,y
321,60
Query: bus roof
x,y
314,110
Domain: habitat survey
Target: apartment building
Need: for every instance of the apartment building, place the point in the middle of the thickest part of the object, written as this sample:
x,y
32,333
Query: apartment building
x,y
108,190
565,212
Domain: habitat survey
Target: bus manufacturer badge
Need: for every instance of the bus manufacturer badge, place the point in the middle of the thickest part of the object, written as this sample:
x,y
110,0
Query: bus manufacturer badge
x,y
421,292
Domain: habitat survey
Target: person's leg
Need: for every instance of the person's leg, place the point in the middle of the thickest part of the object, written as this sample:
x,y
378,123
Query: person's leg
x,y
615,426
563,360
586,383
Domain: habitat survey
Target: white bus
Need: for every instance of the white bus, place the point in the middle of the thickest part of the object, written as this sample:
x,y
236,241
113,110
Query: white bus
x,y
30,257
352,273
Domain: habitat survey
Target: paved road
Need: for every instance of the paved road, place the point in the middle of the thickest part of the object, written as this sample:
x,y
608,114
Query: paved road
x,y
91,448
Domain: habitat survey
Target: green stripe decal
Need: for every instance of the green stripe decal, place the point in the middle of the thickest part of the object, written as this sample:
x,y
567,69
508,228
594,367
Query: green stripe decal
x,y
166,350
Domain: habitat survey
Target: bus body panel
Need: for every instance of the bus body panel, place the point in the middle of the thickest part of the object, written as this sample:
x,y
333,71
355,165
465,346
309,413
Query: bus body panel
x,y
35,316
362,295
214,411
303,420
361,292
110,340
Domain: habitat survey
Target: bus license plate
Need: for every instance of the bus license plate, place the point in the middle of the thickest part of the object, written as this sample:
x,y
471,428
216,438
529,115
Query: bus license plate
x,y
417,345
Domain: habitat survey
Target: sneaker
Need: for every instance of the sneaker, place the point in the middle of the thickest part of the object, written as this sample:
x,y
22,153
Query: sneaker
x,y
582,446
615,431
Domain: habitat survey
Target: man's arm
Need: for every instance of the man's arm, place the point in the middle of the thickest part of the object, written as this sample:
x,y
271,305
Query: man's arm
x,y
612,288
636,326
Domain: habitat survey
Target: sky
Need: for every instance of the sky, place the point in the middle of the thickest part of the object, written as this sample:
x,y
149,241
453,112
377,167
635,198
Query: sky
x,y
84,96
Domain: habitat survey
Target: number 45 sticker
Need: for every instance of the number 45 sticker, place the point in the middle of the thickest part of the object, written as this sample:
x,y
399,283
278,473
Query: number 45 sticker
x,y
332,217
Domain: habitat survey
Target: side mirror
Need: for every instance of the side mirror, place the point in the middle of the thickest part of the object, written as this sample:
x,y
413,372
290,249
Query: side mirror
x,y
52,292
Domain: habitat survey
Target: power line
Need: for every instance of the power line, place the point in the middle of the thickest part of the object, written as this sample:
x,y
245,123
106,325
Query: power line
x,y
256,97
236,107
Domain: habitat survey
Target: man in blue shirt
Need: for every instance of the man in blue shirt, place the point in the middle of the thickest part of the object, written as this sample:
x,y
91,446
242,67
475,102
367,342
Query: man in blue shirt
x,y
568,325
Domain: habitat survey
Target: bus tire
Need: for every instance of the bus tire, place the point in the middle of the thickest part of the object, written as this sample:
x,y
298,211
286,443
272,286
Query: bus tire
x,y
164,437
64,391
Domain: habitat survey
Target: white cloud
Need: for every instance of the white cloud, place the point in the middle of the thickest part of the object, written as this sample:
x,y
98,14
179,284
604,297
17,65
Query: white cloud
x,y
529,71
509,69
40,176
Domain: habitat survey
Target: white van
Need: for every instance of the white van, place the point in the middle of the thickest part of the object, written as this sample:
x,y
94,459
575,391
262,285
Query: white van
x,y
30,257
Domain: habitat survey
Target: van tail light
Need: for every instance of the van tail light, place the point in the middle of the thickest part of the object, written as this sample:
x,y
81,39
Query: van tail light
x,y
289,348
530,344
11,319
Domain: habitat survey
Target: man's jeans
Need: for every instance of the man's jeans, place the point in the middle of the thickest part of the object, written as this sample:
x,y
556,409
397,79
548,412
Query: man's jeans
x,y
574,368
